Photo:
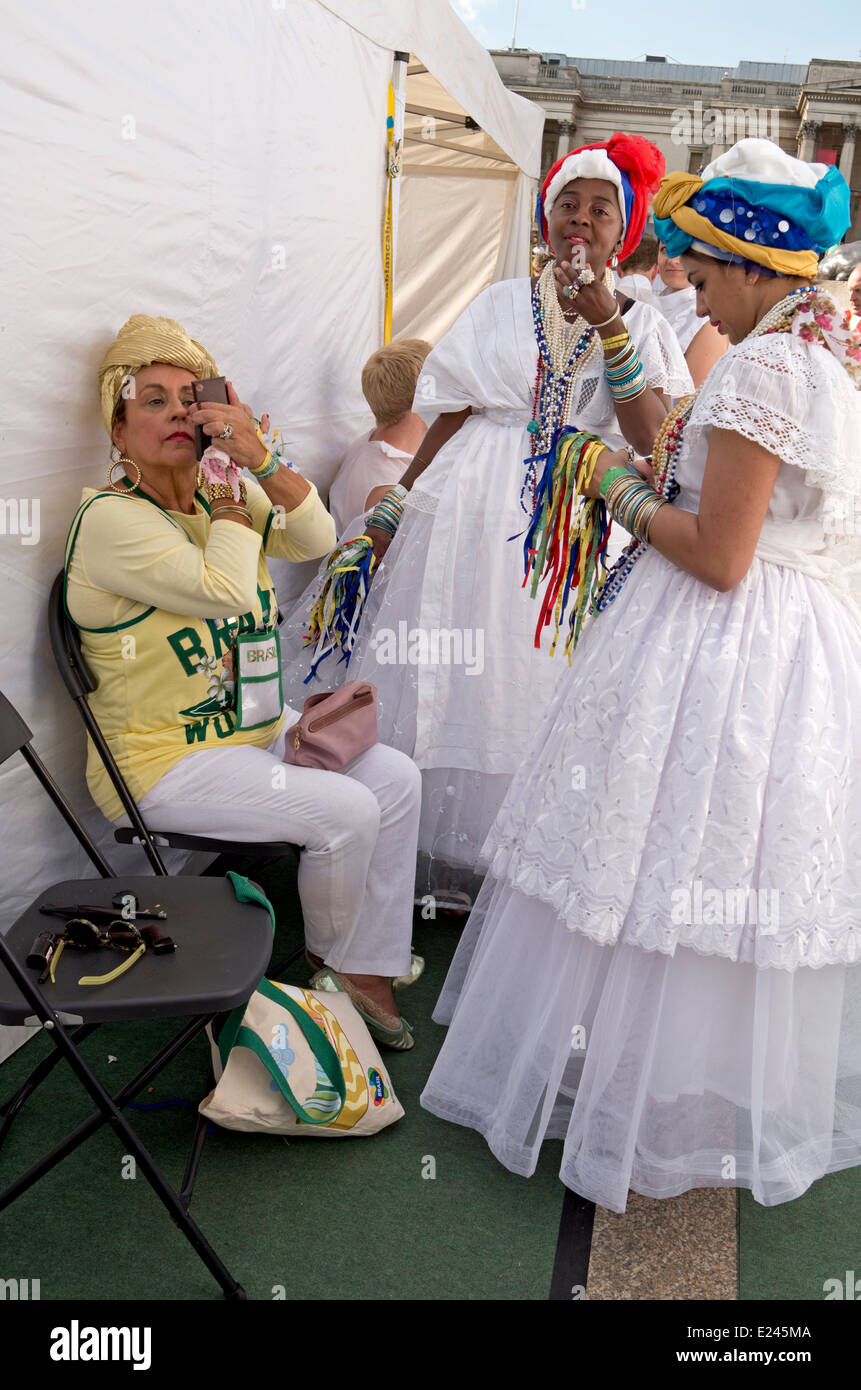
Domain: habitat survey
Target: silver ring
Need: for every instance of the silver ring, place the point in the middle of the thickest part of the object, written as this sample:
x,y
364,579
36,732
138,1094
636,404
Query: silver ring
x,y
226,432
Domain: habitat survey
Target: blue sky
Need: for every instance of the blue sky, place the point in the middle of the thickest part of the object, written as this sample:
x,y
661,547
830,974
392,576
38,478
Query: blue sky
x,y
765,31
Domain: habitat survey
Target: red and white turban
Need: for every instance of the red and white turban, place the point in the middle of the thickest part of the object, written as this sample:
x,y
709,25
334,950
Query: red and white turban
x,y
633,165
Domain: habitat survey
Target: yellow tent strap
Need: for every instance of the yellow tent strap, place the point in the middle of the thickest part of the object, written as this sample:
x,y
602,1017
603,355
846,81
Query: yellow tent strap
x,y
388,229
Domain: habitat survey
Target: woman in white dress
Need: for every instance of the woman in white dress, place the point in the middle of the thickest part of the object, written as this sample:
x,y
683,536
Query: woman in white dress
x,y
448,631
663,968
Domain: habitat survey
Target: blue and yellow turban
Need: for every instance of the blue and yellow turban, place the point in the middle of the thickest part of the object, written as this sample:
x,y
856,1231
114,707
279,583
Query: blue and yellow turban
x,y
755,203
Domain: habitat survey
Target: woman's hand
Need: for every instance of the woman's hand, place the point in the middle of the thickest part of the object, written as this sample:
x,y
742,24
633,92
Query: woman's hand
x,y
617,459
243,446
595,302
380,539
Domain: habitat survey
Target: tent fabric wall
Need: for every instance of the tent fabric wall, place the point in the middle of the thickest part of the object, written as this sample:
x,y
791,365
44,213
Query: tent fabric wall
x,y
441,271
221,165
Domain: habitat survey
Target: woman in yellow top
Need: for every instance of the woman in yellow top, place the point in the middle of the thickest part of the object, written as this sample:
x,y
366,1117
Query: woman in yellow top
x,y
169,585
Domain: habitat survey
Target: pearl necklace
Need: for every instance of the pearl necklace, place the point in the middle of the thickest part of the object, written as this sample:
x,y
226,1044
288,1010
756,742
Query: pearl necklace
x,y
564,351
779,317
668,443
558,333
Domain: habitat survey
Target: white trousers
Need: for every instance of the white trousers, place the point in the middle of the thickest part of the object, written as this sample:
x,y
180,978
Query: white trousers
x,y
358,830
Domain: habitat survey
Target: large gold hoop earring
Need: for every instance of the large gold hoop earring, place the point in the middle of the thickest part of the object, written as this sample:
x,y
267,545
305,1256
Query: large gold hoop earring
x,y
126,462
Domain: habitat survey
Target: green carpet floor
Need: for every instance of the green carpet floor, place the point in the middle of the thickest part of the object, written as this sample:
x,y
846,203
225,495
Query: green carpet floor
x,y
319,1219
345,1219
790,1251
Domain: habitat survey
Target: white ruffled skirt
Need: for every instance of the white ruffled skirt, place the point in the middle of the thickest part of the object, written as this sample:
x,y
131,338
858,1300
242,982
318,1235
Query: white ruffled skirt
x,y
704,753
659,1073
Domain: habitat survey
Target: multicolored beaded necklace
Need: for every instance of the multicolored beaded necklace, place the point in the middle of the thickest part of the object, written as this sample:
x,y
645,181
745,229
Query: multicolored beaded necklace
x,y
668,445
564,352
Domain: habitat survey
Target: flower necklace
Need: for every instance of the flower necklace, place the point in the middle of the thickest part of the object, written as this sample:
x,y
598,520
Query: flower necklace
x,y
564,351
668,444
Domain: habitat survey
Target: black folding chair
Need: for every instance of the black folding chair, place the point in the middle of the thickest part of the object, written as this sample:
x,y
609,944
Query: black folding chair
x,y
223,946
66,646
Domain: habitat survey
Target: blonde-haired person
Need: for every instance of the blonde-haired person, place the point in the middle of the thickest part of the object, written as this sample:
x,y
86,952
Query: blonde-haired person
x,y
181,565
375,462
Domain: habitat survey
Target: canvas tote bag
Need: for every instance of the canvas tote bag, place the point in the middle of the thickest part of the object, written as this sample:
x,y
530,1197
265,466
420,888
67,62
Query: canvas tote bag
x,y
299,1061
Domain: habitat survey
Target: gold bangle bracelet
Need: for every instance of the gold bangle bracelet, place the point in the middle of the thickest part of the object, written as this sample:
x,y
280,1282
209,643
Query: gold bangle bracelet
x,y
231,511
221,491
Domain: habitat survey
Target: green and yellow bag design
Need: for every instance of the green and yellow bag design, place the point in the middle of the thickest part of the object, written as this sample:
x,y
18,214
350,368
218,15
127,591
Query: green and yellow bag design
x,y
290,1063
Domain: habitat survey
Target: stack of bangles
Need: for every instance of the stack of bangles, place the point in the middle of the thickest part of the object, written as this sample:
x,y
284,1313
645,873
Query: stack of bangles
x,y
631,501
387,514
623,369
217,491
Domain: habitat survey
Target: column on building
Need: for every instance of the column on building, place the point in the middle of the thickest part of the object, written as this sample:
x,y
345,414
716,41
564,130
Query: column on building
x,y
807,135
847,152
566,130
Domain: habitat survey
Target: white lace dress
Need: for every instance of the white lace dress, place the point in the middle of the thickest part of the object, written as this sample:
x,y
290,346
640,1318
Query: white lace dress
x,y
448,632
663,968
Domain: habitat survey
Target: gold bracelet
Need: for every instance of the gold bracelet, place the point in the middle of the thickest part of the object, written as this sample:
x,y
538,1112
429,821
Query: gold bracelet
x,y
649,512
219,491
616,340
236,511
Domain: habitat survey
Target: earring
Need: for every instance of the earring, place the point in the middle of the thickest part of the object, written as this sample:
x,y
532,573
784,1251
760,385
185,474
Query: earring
x,y
614,261
126,462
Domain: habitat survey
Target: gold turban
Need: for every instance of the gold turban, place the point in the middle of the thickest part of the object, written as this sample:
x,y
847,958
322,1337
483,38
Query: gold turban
x,y
141,341
673,200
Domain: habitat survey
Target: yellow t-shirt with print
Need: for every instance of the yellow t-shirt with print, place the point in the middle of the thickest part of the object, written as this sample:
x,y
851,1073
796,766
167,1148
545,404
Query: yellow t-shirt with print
x,y
159,598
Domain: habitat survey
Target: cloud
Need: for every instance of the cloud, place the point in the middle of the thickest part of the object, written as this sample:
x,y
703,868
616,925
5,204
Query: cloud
x,y
468,10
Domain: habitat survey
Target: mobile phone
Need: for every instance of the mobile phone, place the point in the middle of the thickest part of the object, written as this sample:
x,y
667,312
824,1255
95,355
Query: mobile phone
x,y
213,389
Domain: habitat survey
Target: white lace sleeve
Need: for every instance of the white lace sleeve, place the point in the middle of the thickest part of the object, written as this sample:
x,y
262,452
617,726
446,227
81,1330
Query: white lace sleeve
x,y
660,353
792,398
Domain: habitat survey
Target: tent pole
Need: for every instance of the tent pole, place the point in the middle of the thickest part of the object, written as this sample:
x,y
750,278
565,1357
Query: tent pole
x,y
395,144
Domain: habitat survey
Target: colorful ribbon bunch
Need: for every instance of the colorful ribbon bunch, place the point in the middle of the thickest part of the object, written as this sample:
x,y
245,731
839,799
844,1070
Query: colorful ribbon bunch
x,y
337,613
567,535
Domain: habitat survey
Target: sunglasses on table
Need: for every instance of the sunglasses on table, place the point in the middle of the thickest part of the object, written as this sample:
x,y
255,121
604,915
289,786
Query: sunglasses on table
x,y
83,935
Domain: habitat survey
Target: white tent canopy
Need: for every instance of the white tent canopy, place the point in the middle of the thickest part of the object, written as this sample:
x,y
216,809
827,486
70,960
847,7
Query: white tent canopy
x,y
465,207
223,165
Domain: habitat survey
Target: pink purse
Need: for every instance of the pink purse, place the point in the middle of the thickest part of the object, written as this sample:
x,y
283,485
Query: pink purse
x,y
335,727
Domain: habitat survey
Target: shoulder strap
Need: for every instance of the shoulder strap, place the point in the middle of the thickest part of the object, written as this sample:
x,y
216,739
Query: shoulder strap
x,y
235,1034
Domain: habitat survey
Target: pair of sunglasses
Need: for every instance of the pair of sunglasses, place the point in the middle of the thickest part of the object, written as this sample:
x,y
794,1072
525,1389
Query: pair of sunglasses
x,y
83,935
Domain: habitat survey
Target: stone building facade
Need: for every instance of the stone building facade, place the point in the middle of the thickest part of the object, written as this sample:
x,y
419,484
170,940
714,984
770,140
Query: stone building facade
x,y
693,113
